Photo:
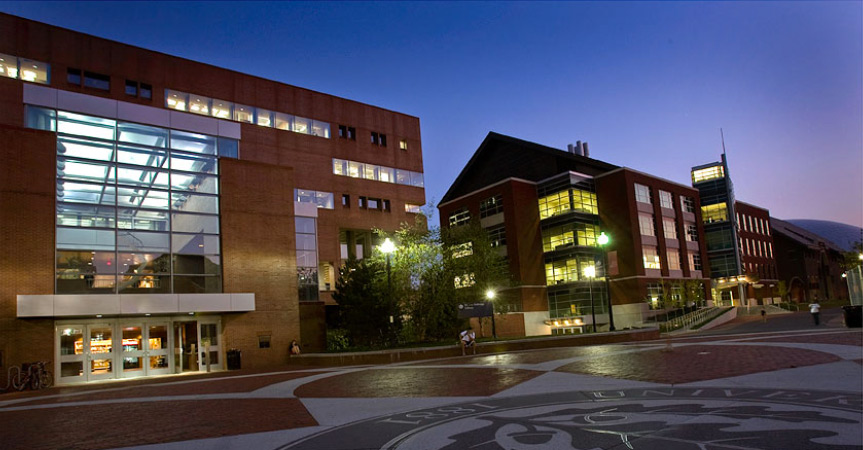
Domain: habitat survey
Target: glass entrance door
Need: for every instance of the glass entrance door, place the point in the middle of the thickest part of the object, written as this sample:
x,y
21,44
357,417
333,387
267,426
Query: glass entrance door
x,y
100,351
186,346
133,350
210,347
72,359
157,346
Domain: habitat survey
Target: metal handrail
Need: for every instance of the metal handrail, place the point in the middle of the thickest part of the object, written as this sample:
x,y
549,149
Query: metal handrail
x,y
689,319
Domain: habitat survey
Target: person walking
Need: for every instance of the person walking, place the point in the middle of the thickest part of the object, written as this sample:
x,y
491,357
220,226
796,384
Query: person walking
x,y
815,309
763,315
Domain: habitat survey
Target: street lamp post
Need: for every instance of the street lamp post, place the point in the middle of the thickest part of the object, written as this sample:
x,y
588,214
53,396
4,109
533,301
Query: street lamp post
x,y
489,294
388,247
603,240
590,272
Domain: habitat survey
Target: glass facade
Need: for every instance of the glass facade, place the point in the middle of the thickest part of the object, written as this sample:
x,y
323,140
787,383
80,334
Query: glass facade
x,y
307,258
137,206
577,300
491,206
707,174
365,171
221,109
569,235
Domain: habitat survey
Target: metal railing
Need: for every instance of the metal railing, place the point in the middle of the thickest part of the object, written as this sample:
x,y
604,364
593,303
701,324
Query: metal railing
x,y
688,320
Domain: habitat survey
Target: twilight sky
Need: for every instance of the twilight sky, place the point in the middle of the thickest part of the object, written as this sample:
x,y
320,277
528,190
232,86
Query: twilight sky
x,y
648,85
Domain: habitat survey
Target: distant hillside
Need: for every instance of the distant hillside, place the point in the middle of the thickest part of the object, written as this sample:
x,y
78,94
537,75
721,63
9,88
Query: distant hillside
x,y
841,234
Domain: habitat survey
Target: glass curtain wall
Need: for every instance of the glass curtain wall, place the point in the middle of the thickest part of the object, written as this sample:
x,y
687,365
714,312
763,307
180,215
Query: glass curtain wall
x,y
137,206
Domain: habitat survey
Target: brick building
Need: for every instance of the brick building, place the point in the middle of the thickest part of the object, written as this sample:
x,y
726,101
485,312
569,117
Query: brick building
x,y
755,241
809,264
547,209
156,211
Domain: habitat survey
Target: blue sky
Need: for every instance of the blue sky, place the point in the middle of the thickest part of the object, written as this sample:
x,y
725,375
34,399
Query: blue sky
x,y
647,84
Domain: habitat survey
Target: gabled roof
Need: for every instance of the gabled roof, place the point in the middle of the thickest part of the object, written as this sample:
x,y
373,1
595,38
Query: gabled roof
x,y
800,235
500,157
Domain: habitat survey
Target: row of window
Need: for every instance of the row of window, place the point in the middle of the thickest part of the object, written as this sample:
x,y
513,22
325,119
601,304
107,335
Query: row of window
x,y
575,268
102,82
578,300
714,213
221,109
644,194
364,171
647,227
753,224
652,261
572,200
758,248
763,270
569,235
319,198
459,217
24,69
491,206
708,173
137,206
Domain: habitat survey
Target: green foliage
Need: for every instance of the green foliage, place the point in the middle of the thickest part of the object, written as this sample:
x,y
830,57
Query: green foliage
x,y
365,306
419,293
337,340
782,290
693,292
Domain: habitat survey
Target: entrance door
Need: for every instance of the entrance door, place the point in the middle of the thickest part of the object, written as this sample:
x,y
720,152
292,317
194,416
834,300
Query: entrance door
x,y
210,347
73,357
157,354
100,352
133,353
186,346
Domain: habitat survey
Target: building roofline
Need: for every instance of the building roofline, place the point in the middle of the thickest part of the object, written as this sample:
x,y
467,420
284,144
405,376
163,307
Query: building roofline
x,y
704,166
505,180
532,146
92,36
753,206
647,175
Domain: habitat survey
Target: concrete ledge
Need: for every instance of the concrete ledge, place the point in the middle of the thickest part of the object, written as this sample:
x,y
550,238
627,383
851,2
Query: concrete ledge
x,y
449,351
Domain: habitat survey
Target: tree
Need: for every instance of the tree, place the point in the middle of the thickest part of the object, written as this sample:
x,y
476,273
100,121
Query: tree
x,y
782,290
693,292
365,309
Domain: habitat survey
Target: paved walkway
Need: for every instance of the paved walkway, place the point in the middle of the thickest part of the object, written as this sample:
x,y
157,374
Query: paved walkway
x,y
790,386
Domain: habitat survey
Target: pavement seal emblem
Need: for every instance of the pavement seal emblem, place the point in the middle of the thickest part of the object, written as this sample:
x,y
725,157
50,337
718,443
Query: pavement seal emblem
x,y
649,419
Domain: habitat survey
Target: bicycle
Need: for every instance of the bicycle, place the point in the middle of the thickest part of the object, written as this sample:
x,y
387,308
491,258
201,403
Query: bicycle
x,y
34,375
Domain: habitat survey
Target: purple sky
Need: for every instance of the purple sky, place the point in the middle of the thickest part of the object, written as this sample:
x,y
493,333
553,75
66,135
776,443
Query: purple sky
x,y
648,85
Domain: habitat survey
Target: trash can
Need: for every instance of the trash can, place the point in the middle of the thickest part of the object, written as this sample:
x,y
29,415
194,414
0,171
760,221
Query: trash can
x,y
853,316
234,359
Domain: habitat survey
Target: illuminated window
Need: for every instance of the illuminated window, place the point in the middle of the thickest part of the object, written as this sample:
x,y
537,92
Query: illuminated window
x,y
665,200
583,201
460,217
651,257
9,66
411,208
673,259
714,213
463,281
554,204
403,144
645,225
462,250
707,174
355,169
176,100
669,228
642,194
323,200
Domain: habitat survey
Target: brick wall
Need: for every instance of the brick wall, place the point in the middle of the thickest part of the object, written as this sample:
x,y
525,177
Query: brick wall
x,y
259,256
27,242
